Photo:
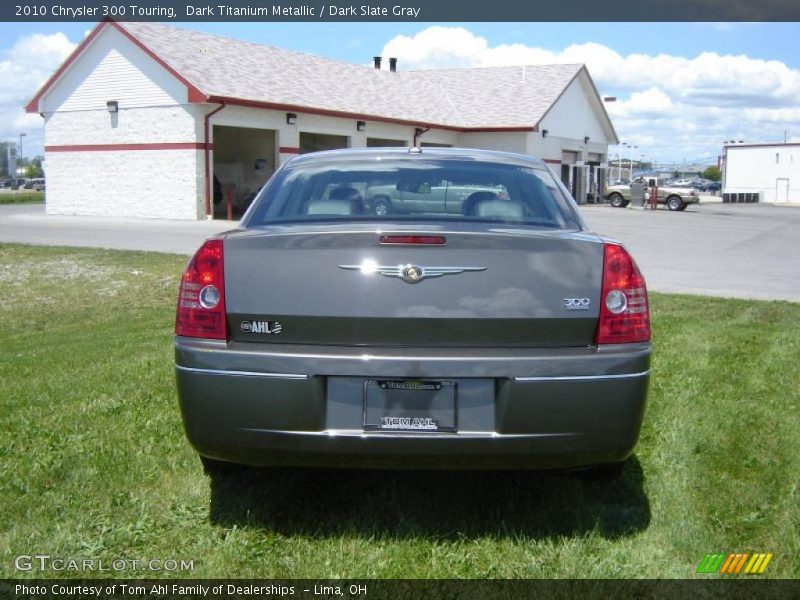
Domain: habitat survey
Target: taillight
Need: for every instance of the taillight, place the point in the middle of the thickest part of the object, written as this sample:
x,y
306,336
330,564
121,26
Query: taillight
x,y
201,298
624,312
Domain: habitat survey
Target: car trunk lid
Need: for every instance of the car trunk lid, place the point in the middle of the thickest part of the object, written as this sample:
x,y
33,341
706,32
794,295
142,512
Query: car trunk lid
x,y
339,285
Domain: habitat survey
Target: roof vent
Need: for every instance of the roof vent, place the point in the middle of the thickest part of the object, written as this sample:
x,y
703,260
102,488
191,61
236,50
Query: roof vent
x,y
376,60
393,64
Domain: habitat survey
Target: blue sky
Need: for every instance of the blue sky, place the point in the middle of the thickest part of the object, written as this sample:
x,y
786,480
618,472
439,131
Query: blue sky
x,y
356,42
683,88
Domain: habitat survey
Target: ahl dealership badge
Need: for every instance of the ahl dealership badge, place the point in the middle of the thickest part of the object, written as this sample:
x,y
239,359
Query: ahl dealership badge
x,y
265,327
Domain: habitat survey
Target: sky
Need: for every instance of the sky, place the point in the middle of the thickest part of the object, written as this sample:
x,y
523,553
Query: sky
x,y
682,88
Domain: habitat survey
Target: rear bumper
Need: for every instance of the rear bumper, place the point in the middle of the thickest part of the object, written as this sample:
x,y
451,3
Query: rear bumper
x,y
303,406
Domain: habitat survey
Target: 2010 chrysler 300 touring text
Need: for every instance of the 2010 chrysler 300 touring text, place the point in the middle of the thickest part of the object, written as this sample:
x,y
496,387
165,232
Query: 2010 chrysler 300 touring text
x,y
481,328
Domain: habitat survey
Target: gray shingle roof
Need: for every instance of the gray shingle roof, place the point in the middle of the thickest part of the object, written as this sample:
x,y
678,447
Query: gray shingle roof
x,y
492,97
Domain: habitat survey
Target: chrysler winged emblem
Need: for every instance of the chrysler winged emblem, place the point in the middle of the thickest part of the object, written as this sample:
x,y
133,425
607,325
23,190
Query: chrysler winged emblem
x,y
408,273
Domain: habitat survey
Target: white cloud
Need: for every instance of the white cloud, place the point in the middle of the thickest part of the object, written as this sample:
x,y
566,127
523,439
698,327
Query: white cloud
x,y
673,106
23,69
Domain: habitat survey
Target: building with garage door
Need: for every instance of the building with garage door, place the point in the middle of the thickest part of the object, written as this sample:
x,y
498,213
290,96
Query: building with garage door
x,y
761,173
149,120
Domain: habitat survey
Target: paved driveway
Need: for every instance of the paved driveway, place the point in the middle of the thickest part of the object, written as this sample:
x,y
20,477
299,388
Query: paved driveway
x,y
27,223
740,250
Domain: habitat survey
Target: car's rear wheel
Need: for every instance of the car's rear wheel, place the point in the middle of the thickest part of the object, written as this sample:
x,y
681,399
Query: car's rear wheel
x,y
381,207
616,200
675,203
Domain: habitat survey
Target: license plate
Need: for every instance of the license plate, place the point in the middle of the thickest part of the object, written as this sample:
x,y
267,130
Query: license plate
x,y
394,405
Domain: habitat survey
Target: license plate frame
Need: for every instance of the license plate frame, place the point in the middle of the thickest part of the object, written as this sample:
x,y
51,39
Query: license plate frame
x,y
410,406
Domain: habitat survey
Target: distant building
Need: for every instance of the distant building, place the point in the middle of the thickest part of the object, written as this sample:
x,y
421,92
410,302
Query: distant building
x,y
770,170
144,119
8,159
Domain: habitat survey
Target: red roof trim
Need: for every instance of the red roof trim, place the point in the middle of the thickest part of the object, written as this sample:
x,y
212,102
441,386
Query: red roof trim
x,y
359,116
33,104
194,95
118,147
197,96
496,129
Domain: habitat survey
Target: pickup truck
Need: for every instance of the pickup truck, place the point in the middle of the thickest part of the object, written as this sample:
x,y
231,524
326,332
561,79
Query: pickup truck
x,y
675,197
419,197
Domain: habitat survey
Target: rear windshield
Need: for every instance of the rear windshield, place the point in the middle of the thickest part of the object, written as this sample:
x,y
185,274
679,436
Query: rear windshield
x,y
414,190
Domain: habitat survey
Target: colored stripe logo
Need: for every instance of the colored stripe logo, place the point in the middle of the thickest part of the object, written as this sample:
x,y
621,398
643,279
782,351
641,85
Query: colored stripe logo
x,y
734,563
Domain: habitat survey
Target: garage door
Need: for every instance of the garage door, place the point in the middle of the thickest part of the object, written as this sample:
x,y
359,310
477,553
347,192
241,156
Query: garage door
x,y
316,142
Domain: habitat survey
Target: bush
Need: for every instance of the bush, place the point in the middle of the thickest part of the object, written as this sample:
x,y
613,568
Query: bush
x,y
21,197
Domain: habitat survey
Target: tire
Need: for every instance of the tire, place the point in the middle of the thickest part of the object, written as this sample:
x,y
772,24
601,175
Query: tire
x,y
381,207
213,467
675,203
616,200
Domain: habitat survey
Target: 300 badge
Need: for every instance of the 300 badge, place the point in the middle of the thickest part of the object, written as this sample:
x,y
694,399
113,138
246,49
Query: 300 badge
x,y
577,303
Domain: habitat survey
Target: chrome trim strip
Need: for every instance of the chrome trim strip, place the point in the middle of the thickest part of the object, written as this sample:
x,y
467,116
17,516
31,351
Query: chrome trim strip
x,y
241,373
582,377
409,273
352,433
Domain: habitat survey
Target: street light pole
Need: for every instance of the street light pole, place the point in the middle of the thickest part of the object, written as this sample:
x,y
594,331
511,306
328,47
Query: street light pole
x,y
630,163
620,162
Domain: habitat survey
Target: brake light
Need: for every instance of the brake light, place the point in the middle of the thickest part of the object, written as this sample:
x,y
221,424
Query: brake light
x,y
201,297
624,310
413,239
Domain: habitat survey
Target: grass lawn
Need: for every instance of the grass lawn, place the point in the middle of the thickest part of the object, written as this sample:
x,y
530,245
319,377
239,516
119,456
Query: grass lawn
x,y
21,197
95,464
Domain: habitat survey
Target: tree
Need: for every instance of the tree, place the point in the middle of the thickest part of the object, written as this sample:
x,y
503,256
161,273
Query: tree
x,y
712,173
33,168
34,171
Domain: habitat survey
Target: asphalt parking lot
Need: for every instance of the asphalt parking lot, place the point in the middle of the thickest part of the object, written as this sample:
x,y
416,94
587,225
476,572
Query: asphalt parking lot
x,y
739,250
28,224
729,250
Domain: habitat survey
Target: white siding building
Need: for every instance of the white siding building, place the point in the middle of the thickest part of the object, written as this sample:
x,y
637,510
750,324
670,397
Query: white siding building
x,y
770,170
143,119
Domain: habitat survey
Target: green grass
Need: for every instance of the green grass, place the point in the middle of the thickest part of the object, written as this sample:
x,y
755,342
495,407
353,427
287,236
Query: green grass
x,y
95,464
21,197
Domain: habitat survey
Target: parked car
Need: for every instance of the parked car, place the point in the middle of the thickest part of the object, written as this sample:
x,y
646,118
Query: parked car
x,y
36,184
504,336
675,197
711,186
